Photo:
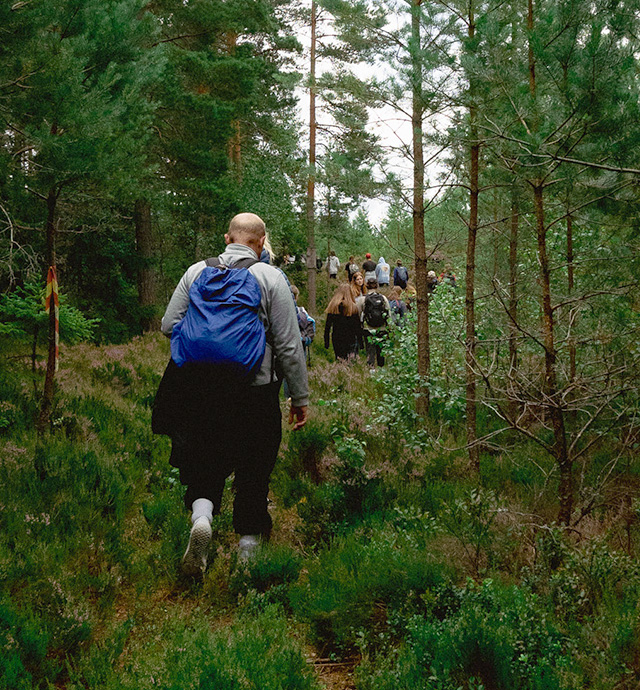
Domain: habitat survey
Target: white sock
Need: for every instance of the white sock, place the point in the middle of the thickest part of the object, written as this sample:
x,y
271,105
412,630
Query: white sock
x,y
202,507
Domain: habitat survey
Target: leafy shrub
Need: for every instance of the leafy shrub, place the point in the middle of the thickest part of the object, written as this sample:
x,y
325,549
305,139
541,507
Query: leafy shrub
x,y
357,588
469,520
22,315
350,492
492,637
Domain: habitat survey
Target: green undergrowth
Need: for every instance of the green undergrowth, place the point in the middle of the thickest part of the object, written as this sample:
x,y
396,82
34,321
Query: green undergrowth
x,y
388,552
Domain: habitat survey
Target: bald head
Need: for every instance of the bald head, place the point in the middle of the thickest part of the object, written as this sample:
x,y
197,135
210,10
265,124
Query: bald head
x,y
247,229
246,225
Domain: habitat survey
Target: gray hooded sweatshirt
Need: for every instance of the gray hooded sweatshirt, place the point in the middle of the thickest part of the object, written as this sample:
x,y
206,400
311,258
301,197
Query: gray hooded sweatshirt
x,y
277,313
382,272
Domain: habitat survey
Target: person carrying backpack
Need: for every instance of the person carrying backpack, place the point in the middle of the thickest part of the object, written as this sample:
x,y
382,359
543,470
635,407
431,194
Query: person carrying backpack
x,y
234,334
306,324
400,275
397,306
374,315
351,268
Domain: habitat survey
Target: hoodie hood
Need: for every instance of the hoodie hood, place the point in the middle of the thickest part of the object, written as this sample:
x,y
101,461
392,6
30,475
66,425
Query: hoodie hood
x,y
381,260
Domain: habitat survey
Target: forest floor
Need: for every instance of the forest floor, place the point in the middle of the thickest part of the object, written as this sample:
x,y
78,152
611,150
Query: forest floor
x,y
391,563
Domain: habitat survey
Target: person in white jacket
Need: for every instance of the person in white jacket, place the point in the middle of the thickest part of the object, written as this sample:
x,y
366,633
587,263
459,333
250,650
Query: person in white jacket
x,y
234,428
382,272
333,265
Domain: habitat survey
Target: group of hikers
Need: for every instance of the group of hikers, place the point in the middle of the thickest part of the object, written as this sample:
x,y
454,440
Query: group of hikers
x,y
361,308
236,334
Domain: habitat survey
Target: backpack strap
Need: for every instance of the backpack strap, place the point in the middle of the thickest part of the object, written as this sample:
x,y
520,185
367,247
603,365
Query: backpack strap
x,y
243,263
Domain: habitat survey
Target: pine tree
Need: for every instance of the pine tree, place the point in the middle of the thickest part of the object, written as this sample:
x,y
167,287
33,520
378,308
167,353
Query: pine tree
x,y
78,106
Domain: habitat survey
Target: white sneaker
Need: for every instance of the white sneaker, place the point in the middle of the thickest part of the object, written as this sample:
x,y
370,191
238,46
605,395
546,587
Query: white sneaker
x,y
194,560
248,547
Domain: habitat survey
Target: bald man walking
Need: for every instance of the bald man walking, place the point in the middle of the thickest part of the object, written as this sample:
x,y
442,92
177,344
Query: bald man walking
x,y
232,427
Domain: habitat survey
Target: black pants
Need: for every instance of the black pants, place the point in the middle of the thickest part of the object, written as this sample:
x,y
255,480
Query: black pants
x,y
237,430
374,351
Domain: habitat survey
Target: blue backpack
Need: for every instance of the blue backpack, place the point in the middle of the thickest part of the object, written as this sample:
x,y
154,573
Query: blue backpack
x,y
222,325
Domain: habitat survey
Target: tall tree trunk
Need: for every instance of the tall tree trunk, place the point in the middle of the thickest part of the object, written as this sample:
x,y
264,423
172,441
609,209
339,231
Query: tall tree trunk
x,y
513,300
234,146
560,450
470,315
497,236
532,61
552,402
44,418
234,151
147,279
311,180
570,286
422,298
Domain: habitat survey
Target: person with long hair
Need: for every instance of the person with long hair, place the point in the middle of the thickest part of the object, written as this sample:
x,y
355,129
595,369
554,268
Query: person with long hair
x,y
343,323
398,306
358,288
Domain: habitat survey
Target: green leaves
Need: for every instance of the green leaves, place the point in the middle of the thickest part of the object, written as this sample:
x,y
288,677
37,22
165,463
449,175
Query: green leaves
x,y
22,316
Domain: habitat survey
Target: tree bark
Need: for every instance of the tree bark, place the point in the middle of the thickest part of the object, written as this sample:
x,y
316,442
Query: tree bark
x,y
147,279
235,151
570,285
513,299
311,180
44,418
422,298
560,450
551,401
234,146
470,316
532,61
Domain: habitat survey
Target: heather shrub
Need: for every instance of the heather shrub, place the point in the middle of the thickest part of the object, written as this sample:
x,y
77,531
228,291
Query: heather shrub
x,y
363,585
478,636
267,578
254,651
24,642
302,461
350,491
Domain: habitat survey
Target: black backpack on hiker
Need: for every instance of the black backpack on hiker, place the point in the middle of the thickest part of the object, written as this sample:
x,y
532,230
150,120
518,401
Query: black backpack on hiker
x,y
375,310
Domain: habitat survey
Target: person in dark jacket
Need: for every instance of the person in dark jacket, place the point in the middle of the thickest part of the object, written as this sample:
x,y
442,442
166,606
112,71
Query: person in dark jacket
x,y
343,323
351,268
400,275
369,268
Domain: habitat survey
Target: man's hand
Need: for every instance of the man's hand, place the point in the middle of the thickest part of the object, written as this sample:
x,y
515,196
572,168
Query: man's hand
x,y
299,414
